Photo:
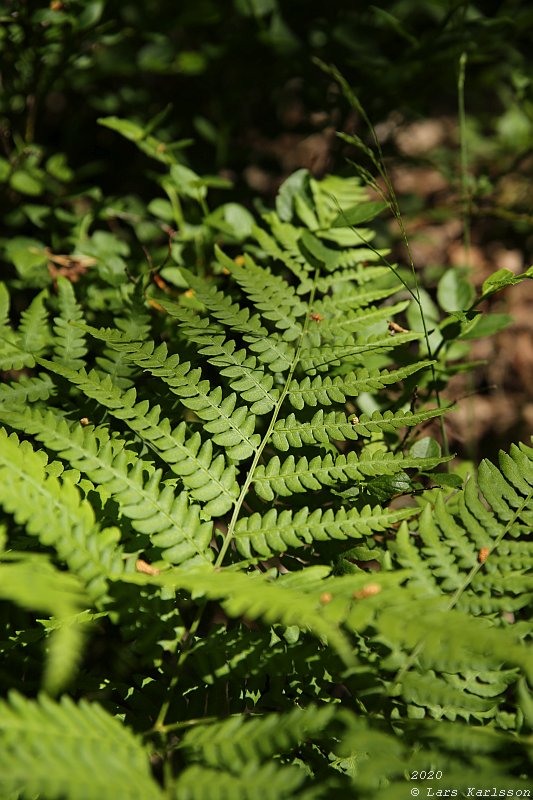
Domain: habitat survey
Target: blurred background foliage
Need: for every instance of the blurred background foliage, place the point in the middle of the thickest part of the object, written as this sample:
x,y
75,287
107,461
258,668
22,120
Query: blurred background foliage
x,y
233,74
123,125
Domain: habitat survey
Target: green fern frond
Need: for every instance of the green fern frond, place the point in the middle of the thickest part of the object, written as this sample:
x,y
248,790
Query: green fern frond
x,y
51,509
232,426
30,581
259,596
291,476
153,508
277,532
26,390
255,782
222,306
70,347
336,426
276,354
41,741
326,354
18,349
238,741
33,329
343,280
327,390
207,479
274,298
474,550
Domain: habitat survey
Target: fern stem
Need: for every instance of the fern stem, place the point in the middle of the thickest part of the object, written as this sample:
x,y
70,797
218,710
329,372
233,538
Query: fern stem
x,y
464,156
249,478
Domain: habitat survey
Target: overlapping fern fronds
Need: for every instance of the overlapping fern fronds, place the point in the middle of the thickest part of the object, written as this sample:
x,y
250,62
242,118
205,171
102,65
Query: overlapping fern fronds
x,y
206,480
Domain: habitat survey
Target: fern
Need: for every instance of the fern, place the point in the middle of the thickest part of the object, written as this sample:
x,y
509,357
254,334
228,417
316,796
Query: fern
x,y
135,485
203,491
70,347
40,741
290,476
52,509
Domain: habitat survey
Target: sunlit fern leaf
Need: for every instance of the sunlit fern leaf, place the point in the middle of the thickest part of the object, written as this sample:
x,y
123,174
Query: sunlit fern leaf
x,y
155,509
291,476
272,296
33,331
260,596
70,347
326,390
19,348
344,279
26,390
339,320
41,740
451,641
207,479
52,510
232,426
277,532
350,301
336,426
326,355
477,549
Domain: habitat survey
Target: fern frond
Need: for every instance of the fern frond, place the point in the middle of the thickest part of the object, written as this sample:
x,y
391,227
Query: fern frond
x,y
336,426
326,390
283,246
276,354
255,782
274,298
289,600
237,741
326,355
342,280
222,306
232,426
51,509
26,390
453,642
70,347
41,740
291,476
276,532
474,550
153,508
30,581
208,480
33,329
18,349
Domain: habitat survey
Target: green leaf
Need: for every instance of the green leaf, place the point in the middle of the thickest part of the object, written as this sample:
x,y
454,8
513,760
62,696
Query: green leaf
x,y
454,292
445,479
292,186
425,448
318,252
26,183
484,325
130,130
362,212
29,256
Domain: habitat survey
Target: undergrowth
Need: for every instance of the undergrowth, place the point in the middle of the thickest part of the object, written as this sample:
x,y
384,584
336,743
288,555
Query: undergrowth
x,y
236,561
